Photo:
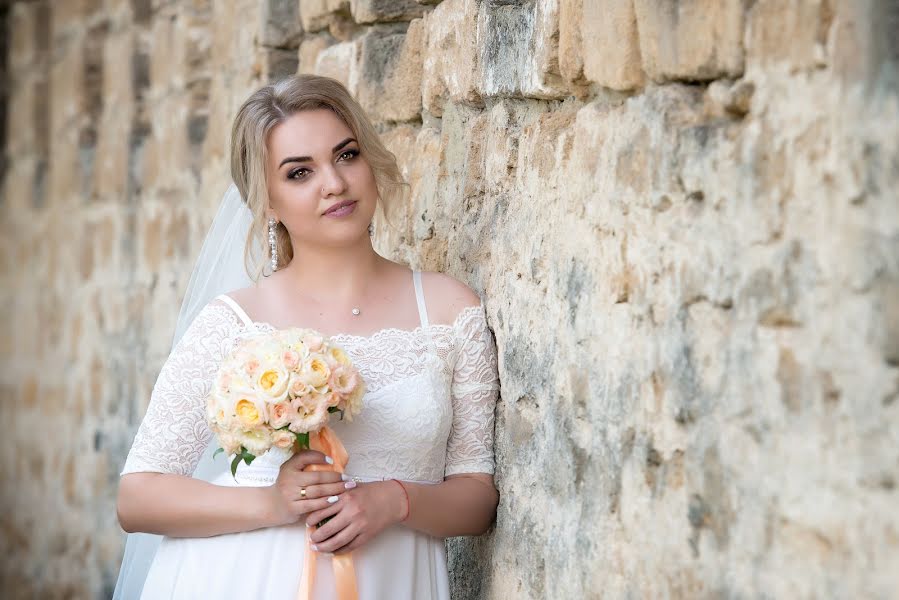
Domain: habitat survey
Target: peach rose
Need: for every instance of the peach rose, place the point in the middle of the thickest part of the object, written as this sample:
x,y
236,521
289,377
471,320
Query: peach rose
x,y
280,414
283,439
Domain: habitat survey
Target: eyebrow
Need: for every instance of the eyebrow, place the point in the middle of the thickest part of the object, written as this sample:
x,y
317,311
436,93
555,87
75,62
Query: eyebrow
x,y
290,159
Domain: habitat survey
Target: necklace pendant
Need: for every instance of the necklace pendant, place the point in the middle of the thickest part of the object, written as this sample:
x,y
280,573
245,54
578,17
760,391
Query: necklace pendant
x,y
356,311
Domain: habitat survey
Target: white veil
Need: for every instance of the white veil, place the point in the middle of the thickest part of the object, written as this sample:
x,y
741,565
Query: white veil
x,y
219,268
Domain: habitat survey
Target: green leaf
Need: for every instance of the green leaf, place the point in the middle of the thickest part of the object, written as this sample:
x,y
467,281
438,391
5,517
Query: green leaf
x,y
217,452
234,466
303,440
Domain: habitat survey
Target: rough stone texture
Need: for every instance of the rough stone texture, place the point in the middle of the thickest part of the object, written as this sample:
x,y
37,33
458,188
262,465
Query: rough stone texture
x,y
697,40
375,11
682,217
612,26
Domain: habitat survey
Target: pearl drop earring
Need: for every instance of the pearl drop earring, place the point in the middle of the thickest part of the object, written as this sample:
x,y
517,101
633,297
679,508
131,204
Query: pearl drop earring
x,y
272,243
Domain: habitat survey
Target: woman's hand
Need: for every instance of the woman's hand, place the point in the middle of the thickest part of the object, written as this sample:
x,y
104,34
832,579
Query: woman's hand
x,y
358,516
323,488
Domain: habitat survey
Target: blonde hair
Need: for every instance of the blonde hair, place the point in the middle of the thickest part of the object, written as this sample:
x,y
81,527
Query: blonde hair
x,y
261,113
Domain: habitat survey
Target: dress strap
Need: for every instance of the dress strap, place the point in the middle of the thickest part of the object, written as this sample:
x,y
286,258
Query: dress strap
x,y
236,308
420,297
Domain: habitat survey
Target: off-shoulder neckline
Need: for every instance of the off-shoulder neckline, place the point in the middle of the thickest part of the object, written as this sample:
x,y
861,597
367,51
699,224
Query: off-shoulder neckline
x,y
246,323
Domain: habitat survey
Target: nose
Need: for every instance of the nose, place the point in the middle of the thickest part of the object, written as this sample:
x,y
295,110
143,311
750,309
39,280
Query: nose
x,y
332,182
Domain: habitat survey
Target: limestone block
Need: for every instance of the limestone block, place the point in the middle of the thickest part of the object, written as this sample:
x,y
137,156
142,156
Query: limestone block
x,y
374,11
693,40
341,62
793,32
281,24
519,52
309,50
611,48
23,24
21,134
571,57
167,58
315,14
390,73
452,66
65,81
279,63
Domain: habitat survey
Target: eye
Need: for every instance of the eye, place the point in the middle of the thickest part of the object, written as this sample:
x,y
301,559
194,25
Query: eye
x,y
295,174
353,153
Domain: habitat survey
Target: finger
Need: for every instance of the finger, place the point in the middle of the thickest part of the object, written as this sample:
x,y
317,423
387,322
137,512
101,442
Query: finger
x,y
326,489
340,540
306,479
304,458
315,517
340,521
302,508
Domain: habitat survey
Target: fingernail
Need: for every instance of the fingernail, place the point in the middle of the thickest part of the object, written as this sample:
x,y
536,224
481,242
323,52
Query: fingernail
x,y
332,499
314,548
349,485
329,460
345,477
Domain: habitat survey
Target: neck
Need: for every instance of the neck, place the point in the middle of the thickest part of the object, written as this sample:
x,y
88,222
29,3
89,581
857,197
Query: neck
x,y
348,271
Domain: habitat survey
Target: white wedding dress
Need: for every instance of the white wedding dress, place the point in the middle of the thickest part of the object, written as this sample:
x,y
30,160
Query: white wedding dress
x,y
427,413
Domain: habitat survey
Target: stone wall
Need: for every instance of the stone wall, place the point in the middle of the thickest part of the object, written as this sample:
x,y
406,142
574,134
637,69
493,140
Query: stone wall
x,y
682,214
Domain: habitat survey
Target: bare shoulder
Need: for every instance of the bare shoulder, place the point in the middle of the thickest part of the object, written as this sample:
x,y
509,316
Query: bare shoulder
x,y
246,298
446,296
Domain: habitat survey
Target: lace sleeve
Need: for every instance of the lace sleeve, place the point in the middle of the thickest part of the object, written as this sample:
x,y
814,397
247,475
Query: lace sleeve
x,y
174,432
474,392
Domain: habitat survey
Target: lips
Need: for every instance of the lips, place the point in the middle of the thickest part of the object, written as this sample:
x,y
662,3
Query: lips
x,y
339,205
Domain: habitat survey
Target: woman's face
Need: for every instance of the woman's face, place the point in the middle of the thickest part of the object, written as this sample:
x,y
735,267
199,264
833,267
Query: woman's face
x,y
314,166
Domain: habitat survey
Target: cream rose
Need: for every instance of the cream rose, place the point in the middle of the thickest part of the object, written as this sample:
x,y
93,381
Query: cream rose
x,y
256,441
340,356
250,410
315,372
271,382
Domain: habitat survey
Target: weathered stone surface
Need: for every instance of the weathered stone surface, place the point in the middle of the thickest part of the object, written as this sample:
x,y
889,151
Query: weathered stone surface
x,y
309,50
611,47
571,58
452,66
691,40
375,11
794,32
282,27
390,73
317,15
692,287
341,62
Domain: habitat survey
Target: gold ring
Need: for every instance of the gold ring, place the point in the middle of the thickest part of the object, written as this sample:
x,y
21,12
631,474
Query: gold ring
x,y
303,493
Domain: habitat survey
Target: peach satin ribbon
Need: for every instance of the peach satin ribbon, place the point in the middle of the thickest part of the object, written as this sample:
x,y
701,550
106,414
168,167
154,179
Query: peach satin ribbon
x,y
326,441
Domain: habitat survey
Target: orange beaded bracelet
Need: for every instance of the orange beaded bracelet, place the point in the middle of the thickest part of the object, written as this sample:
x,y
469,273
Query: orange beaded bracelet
x,y
408,503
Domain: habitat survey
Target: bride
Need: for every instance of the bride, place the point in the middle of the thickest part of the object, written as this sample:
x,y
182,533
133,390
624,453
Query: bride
x,y
309,171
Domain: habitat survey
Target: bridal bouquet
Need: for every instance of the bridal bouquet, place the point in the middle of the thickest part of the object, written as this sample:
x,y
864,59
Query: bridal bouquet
x,y
279,389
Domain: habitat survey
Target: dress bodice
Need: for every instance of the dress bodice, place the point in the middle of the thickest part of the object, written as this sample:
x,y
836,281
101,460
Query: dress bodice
x,y
427,412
